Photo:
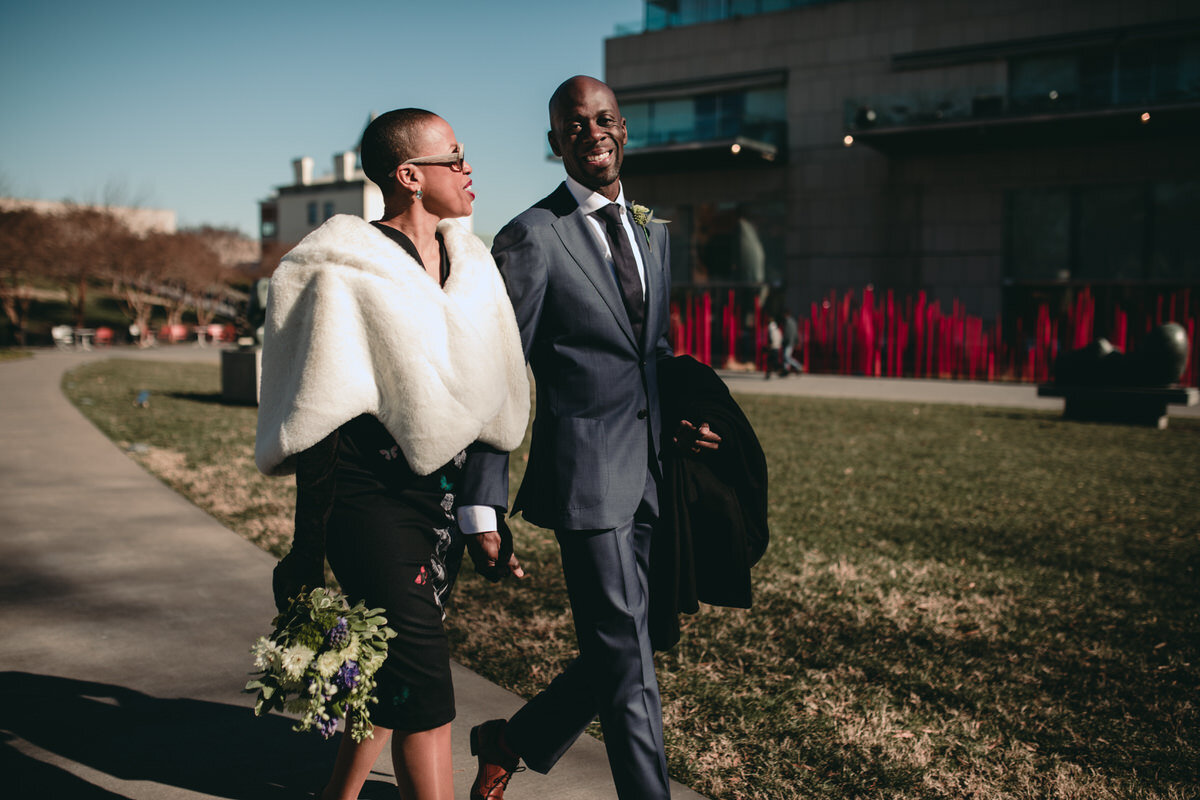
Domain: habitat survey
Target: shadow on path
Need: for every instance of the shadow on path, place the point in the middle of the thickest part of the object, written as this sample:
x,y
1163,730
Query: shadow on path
x,y
206,747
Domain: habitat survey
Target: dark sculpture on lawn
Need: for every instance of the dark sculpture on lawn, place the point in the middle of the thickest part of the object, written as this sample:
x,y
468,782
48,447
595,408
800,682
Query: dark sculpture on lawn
x,y
1159,361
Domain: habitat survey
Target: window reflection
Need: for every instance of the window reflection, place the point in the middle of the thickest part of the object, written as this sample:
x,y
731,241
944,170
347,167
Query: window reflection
x,y
726,243
1104,234
758,114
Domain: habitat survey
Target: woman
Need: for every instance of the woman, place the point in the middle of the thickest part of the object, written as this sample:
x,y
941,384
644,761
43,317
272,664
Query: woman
x,y
390,350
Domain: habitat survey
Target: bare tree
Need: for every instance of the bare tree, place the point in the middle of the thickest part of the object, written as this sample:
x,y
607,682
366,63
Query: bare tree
x,y
198,277
135,277
84,247
23,257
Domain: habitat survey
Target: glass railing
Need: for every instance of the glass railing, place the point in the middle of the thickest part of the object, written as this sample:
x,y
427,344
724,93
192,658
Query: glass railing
x,y
772,133
661,14
1147,74
993,102
924,108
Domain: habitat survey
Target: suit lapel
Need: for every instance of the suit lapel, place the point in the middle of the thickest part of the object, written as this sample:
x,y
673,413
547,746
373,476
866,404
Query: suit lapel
x,y
572,229
654,283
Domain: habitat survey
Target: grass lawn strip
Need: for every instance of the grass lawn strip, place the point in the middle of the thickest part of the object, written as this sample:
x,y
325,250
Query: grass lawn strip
x,y
957,602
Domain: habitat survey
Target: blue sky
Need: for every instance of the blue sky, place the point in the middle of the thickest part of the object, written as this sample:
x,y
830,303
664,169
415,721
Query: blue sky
x,y
201,107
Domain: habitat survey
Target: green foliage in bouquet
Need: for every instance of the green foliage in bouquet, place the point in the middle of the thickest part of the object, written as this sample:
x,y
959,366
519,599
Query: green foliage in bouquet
x,y
320,663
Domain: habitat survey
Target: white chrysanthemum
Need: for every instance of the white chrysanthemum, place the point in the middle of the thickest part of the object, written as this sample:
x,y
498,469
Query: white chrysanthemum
x,y
267,653
296,659
328,664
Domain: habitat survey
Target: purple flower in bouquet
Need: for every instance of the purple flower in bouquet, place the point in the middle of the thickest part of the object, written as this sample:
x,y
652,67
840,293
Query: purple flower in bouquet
x,y
347,676
320,662
338,636
328,727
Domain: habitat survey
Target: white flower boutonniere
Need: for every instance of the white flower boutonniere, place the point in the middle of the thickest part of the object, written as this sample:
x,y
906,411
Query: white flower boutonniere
x,y
644,216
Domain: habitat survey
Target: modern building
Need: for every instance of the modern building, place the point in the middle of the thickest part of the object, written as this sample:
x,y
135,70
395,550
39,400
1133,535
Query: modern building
x,y
995,154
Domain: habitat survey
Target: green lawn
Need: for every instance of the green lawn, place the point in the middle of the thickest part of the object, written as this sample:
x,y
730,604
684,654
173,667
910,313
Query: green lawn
x,y
956,602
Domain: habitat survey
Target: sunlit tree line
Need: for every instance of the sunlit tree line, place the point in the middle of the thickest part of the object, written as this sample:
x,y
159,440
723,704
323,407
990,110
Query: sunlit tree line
x,y
80,248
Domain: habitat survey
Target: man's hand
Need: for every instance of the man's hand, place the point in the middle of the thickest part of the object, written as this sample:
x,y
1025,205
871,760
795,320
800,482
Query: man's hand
x,y
690,439
485,552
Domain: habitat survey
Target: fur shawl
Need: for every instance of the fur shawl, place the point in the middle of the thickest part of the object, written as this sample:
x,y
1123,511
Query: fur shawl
x,y
356,326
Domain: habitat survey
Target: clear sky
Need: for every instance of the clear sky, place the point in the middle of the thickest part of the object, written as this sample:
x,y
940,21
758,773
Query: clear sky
x,y
201,107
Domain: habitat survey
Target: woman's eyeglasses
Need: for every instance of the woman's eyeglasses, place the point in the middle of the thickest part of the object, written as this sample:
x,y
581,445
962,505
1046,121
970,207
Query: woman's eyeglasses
x,y
454,159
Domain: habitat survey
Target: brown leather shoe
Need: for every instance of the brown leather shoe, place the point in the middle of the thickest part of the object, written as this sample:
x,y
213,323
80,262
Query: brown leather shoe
x,y
497,764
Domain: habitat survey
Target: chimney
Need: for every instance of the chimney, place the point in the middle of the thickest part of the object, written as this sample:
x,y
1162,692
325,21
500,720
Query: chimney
x,y
343,166
303,168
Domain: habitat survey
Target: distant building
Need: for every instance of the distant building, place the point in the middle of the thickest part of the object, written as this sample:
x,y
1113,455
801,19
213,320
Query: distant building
x,y
295,211
138,220
997,153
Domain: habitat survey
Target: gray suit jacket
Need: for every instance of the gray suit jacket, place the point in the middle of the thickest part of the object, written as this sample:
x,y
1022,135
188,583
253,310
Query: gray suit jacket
x,y
597,423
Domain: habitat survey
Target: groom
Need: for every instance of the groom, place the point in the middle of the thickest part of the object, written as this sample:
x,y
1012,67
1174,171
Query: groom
x,y
590,286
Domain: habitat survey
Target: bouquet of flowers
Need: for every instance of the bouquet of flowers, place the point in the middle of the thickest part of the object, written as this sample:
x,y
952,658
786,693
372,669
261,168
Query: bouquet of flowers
x,y
320,663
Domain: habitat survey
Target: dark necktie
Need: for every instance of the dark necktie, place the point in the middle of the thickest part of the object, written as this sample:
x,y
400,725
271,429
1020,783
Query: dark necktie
x,y
627,271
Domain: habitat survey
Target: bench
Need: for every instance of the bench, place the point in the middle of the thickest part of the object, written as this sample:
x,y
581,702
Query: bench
x,y
1126,405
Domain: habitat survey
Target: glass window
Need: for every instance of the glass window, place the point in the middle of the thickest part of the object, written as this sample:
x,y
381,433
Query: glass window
x,y
328,209
1187,74
756,113
1104,234
673,121
1174,252
1112,233
694,11
726,243
679,232
637,123
764,115
1136,74
1096,79
1044,82
1039,235
312,213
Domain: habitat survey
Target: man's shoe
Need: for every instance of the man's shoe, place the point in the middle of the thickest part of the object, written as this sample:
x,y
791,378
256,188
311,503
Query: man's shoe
x,y
497,764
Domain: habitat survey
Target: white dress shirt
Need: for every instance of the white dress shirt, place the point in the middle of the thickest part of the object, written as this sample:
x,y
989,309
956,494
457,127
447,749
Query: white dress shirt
x,y
480,519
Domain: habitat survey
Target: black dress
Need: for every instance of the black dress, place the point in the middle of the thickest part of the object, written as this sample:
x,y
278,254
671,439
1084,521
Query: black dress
x,y
392,542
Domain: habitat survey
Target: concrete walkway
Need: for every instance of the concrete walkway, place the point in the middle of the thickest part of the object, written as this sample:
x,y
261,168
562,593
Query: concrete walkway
x,y
126,615
908,390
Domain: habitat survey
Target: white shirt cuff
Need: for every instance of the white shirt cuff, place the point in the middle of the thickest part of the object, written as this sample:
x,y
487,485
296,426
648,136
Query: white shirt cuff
x,y
476,519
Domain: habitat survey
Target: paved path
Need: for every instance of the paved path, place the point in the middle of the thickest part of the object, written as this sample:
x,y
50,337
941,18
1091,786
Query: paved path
x,y
909,390
126,615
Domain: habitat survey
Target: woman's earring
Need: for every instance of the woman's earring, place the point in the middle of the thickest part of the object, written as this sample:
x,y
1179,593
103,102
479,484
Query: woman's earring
x,y
419,194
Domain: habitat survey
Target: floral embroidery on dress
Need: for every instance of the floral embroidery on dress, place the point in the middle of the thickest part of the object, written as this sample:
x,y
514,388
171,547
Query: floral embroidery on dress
x,y
445,537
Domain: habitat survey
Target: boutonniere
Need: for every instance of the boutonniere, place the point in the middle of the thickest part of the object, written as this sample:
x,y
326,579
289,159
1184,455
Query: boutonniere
x,y
644,216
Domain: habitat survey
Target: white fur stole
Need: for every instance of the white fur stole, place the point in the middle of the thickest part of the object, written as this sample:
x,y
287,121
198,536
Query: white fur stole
x,y
356,326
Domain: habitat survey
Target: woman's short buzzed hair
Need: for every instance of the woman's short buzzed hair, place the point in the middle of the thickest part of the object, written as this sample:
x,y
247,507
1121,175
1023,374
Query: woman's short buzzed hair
x,y
389,141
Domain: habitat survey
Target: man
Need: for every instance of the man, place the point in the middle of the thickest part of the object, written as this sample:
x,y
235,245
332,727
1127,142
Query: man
x,y
591,297
791,338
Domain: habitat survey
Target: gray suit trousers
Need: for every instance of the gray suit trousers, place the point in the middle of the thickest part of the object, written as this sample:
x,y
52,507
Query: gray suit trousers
x,y
613,677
